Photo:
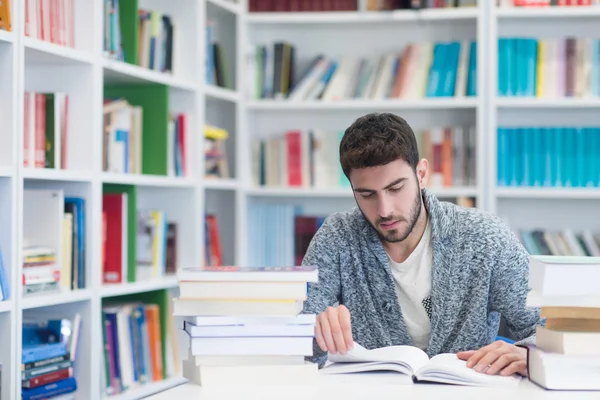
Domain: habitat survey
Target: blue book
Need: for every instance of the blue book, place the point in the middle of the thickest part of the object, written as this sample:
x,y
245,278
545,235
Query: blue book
x,y
472,74
502,159
41,351
79,218
64,386
502,67
4,281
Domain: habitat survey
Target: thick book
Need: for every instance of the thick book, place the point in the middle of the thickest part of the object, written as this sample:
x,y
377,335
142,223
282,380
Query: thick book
x,y
299,273
414,362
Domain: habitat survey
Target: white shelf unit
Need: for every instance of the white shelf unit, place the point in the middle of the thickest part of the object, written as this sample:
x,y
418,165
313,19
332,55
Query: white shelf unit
x,y
360,33
28,64
543,208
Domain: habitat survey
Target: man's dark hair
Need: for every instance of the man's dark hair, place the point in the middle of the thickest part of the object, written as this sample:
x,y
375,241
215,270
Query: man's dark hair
x,y
378,139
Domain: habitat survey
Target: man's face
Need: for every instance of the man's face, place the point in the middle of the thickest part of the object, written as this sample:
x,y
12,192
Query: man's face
x,y
389,197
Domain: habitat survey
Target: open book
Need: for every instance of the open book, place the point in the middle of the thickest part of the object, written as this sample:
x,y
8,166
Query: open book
x,y
414,362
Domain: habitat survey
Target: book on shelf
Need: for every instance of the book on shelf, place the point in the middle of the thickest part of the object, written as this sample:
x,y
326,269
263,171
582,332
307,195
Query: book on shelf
x,y
49,355
213,253
218,72
125,147
419,70
5,16
51,21
548,156
153,247
566,355
546,3
215,154
301,5
45,130
565,242
414,363
250,329
386,5
309,158
549,68
137,346
139,36
54,242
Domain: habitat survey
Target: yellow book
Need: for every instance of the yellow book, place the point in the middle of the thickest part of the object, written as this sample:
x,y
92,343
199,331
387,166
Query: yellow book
x,y
540,70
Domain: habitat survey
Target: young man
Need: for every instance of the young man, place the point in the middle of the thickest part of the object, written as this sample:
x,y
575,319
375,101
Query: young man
x,y
404,268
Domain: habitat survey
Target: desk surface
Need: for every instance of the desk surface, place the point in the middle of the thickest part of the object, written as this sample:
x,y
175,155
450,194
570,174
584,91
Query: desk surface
x,y
369,387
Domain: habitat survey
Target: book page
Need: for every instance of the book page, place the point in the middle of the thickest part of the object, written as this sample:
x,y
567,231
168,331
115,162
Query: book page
x,y
412,356
448,368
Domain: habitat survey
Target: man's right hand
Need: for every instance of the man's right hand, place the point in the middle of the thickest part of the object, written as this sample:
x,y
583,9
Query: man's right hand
x,y
333,330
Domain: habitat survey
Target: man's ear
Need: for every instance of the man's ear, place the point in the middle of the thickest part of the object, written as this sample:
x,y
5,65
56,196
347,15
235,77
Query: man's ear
x,y
423,173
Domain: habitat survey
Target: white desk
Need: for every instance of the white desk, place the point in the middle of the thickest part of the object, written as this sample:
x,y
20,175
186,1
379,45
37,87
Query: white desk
x,y
369,387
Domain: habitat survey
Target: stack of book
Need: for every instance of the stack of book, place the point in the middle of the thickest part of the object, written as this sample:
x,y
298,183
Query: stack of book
x,y
245,325
567,351
48,358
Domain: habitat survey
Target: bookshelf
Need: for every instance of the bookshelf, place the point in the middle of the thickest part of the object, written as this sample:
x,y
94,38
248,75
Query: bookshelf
x,y
89,74
74,75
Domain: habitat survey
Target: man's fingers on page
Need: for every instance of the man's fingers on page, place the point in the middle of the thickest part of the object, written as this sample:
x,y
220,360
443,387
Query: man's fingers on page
x,y
516,367
487,360
345,324
465,355
336,332
502,361
319,336
326,332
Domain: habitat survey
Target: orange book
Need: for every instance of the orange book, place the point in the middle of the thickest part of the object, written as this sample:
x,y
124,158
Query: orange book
x,y
447,158
153,319
5,22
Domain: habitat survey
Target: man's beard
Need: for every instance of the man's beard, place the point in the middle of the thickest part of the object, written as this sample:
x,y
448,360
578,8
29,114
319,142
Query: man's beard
x,y
393,236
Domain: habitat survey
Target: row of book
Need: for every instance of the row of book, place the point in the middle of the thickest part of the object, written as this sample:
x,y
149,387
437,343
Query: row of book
x,y
546,3
427,69
49,355
45,130
154,243
124,148
549,156
301,5
51,21
561,243
139,346
379,5
566,354
217,71
243,326
310,158
154,46
53,262
549,68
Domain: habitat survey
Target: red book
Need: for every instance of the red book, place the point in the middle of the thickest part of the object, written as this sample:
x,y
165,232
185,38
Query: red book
x,y
115,253
294,153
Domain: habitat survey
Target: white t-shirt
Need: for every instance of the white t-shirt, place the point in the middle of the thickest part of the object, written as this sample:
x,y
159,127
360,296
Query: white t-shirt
x,y
413,286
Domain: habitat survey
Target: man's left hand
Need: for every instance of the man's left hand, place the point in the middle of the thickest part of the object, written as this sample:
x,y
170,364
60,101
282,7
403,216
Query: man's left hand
x,y
498,357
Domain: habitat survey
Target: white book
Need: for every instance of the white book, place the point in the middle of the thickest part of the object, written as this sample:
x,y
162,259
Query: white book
x,y
242,290
252,346
227,376
230,320
565,275
249,330
249,274
559,372
414,362
237,307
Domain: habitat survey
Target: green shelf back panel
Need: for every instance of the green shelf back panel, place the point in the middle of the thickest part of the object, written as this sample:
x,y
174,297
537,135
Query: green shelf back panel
x,y
158,297
154,99
131,191
129,24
